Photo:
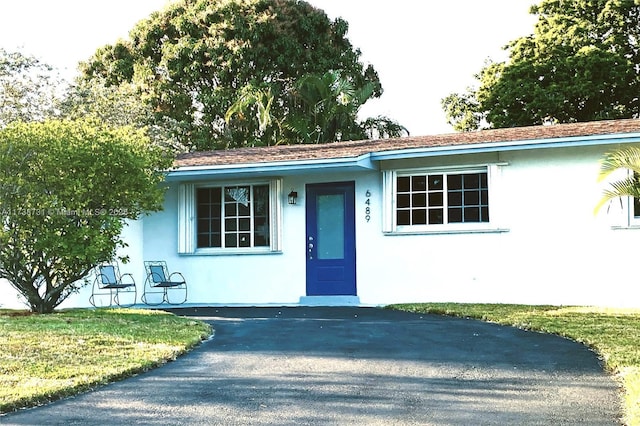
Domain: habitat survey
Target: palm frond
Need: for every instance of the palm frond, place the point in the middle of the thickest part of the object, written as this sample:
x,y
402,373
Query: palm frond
x,y
628,158
627,187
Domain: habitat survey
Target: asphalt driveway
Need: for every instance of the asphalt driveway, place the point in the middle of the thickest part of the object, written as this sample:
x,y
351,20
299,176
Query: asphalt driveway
x,y
353,366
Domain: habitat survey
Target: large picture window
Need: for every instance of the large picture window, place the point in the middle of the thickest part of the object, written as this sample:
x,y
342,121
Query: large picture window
x,y
438,199
442,200
233,216
230,218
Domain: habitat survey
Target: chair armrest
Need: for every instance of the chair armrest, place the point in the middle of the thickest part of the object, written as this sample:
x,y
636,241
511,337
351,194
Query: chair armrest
x,y
123,281
99,280
181,278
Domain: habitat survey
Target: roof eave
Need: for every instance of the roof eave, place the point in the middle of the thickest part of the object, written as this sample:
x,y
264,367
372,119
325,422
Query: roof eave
x,y
276,168
527,144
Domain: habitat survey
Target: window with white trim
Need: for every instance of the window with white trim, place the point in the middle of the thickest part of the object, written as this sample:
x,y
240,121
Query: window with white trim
x,y
233,216
230,218
438,199
447,199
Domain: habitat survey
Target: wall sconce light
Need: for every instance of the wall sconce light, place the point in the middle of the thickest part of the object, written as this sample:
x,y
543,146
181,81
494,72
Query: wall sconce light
x,y
293,197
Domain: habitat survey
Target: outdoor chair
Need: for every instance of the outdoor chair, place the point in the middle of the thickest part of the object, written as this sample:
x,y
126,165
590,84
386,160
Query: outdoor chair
x,y
161,286
110,287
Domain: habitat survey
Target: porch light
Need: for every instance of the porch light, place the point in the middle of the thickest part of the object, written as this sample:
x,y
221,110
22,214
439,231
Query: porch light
x,y
293,197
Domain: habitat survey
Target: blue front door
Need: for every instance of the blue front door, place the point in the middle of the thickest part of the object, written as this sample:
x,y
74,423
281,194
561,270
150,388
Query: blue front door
x,y
331,249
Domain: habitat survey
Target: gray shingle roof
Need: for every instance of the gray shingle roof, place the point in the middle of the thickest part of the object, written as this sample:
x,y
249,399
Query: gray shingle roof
x,y
356,148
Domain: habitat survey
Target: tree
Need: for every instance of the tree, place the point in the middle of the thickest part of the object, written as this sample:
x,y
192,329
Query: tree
x,y
579,65
66,188
325,109
30,90
627,186
119,106
191,60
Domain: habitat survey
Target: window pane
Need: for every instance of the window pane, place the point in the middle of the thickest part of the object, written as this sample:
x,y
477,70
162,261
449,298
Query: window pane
x,y
330,222
471,181
230,225
436,217
261,232
419,200
244,224
261,200
403,201
403,184
243,210
484,212
230,210
245,240
454,182
418,183
436,199
203,240
419,217
203,195
204,226
403,217
230,240
435,182
455,198
484,197
208,216
455,215
204,210
472,214
471,198
237,194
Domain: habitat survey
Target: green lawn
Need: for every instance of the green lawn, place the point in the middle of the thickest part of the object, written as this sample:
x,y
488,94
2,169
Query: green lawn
x,y
612,333
46,357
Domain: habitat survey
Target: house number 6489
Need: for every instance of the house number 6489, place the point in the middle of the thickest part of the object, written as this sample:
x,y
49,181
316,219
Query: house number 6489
x,y
367,209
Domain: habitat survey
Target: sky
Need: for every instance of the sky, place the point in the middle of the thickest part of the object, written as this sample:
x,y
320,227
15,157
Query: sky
x,y
423,50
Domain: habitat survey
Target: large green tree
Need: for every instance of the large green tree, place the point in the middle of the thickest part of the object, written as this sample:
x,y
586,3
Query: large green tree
x,y
66,189
30,90
191,60
119,105
580,64
326,110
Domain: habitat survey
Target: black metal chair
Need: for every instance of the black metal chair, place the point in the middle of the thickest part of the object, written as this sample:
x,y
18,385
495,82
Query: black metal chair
x,y
161,286
110,287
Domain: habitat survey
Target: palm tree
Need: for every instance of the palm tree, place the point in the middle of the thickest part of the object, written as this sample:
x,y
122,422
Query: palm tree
x,y
324,109
628,186
257,101
329,106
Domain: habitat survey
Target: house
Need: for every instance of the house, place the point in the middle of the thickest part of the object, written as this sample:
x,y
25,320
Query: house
x,y
504,216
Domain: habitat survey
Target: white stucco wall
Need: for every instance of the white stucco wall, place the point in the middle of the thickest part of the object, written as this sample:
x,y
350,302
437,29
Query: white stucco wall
x,y
554,249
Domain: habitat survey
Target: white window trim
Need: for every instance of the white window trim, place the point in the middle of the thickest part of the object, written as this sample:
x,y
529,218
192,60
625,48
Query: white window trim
x,y
187,217
389,180
630,221
624,205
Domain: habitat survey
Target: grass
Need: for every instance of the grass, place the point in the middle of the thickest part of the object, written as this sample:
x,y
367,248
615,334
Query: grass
x,y
47,357
613,333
